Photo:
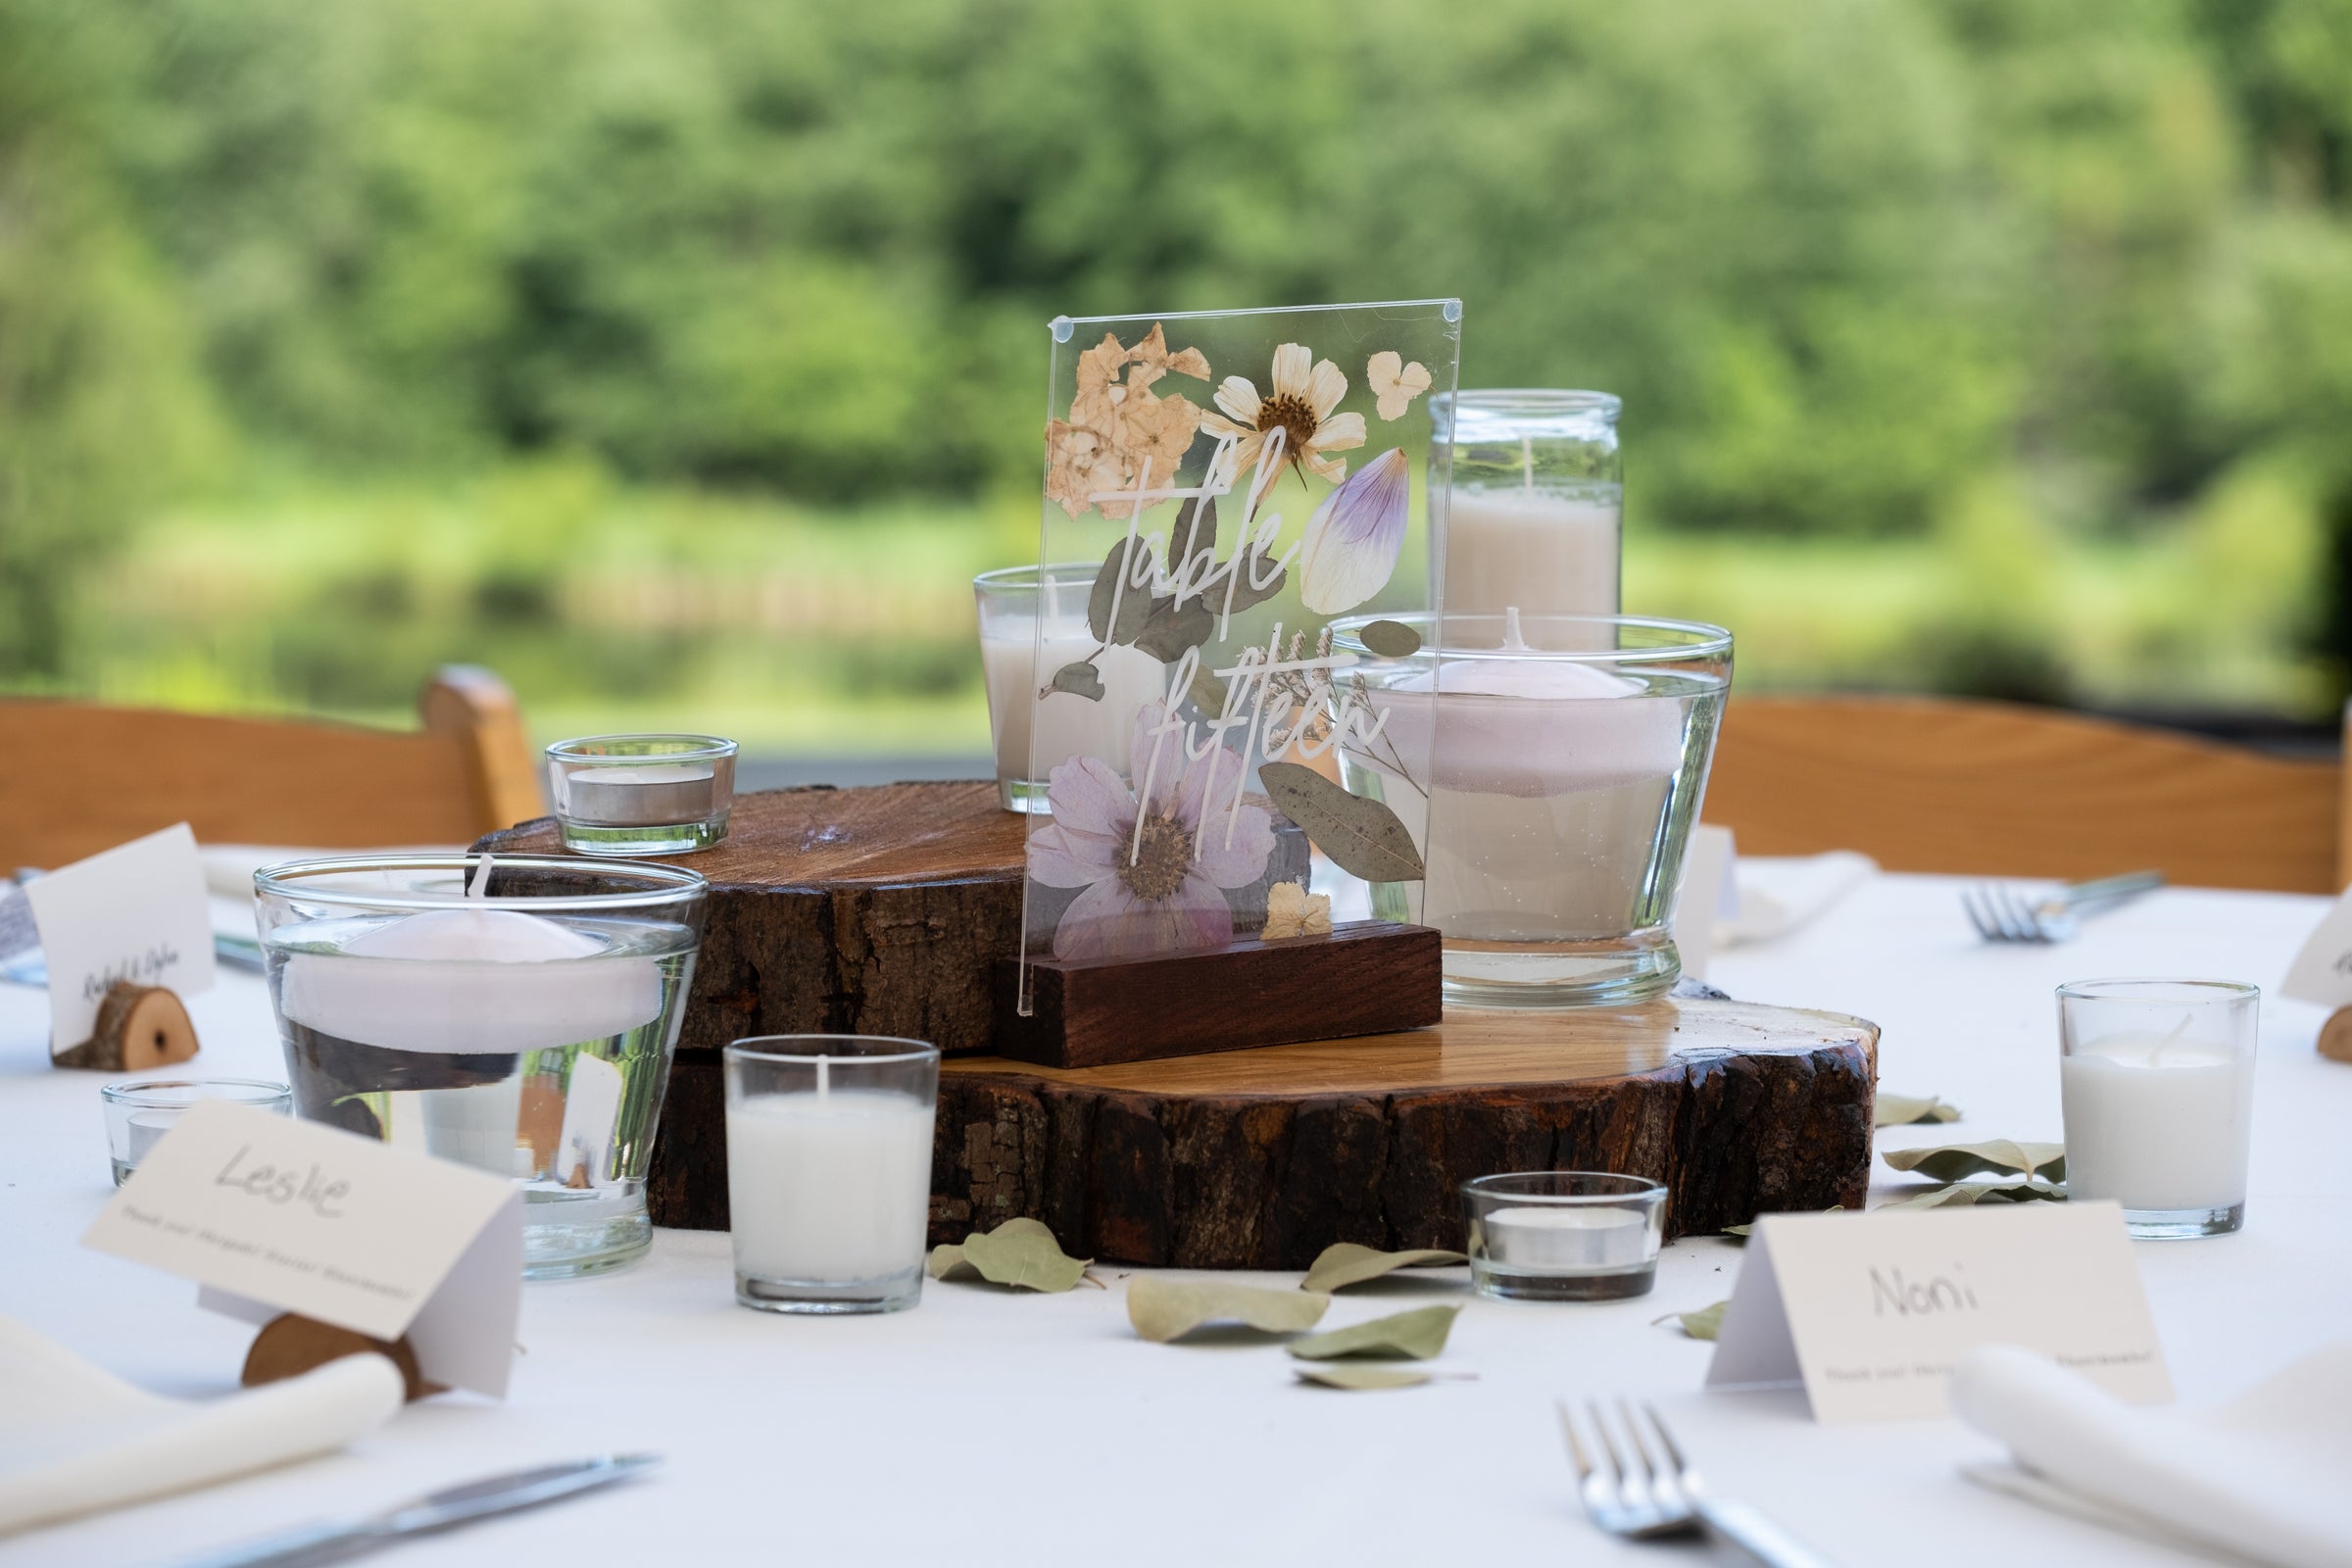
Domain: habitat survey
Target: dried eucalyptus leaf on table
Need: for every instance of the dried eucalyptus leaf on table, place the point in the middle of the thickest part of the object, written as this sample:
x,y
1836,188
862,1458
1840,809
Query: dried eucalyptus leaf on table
x,y
1361,836
1964,1194
1360,1375
1705,1324
1163,1309
1413,1336
1020,1252
1903,1111
1948,1162
1345,1263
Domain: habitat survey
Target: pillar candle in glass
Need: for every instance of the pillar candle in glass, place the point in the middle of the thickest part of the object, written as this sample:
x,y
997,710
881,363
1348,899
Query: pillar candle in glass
x,y
1032,626
515,1015
2158,1082
1534,512
829,1170
1571,756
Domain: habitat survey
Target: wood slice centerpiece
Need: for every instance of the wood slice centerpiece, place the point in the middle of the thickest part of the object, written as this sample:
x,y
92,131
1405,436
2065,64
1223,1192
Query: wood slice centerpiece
x,y
886,911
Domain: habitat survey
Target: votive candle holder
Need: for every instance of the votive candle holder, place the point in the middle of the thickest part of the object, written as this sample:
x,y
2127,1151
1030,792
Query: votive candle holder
x,y
625,794
1563,1235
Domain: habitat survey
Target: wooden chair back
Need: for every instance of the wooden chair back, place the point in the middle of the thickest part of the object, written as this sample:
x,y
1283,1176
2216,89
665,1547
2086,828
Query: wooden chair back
x,y
1993,789
76,778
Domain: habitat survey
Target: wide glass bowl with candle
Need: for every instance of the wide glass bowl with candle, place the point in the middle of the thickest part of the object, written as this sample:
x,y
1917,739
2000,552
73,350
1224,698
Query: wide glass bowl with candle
x,y
515,1015
1570,758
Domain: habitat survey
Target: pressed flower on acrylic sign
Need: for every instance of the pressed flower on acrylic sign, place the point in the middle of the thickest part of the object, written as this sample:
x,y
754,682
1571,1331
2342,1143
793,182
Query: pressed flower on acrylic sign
x,y
1393,382
1306,391
1120,433
1353,540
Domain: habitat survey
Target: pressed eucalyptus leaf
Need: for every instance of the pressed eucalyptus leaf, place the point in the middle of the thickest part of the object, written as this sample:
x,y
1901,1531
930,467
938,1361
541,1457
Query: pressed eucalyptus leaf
x,y
1167,631
1135,604
1163,1309
1391,639
1080,679
1023,1253
1948,1162
1361,836
1244,595
1195,530
1903,1111
1413,1336
1207,692
1360,1375
1705,1324
1345,1263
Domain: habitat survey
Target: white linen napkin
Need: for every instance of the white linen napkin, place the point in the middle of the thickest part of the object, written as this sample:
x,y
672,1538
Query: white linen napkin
x,y
1779,894
75,1439
2260,1477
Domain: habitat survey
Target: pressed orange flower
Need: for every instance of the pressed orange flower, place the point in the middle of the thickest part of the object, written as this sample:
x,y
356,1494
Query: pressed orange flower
x,y
1116,426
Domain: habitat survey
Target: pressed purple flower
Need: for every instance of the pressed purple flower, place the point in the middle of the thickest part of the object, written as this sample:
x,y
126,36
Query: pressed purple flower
x,y
1354,539
1146,892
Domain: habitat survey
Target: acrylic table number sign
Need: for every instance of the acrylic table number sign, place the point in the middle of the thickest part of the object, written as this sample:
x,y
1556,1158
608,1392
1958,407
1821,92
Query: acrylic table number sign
x,y
1244,479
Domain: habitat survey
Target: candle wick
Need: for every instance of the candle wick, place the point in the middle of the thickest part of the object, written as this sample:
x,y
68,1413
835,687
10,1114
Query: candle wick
x,y
824,1076
1512,641
481,879
2156,1056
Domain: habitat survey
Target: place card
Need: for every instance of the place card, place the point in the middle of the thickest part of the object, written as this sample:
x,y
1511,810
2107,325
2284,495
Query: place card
x,y
138,912
2322,970
1870,1311
271,1214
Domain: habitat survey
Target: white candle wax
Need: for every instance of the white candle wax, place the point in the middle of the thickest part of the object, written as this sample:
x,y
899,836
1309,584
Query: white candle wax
x,y
830,1188
644,795
2158,1123
469,981
1065,723
146,1129
1547,553
1567,1240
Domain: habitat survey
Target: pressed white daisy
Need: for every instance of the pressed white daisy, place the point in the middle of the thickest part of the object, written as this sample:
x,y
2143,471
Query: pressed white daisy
x,y
1306,391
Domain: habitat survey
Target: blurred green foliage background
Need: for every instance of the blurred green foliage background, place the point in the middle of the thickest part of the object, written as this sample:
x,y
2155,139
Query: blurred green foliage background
x,y
681,359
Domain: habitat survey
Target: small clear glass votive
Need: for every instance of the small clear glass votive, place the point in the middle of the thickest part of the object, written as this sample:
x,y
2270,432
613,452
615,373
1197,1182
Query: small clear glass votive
x,y
829,1170
515,1014
140,1110
2157,1078
1570,756
1563,1235
1035,727
642,794
1533,512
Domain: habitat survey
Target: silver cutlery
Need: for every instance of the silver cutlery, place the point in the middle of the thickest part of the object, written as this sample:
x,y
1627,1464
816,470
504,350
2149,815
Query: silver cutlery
x,y
1629,1492
446,1509
2003,914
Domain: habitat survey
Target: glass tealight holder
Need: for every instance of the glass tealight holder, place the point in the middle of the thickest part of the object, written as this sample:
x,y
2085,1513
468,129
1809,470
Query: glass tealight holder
x,y
1035,726
2157,1078
140,1110
642,794
1563,1235
829,1170
1533,513
517,1015
1571,756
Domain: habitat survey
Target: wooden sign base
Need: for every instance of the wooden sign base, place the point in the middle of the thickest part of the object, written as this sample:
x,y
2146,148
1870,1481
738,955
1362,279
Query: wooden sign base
x,y
290,1345
1368,978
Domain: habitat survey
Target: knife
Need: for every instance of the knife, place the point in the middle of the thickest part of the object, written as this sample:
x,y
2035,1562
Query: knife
x,y
446,1509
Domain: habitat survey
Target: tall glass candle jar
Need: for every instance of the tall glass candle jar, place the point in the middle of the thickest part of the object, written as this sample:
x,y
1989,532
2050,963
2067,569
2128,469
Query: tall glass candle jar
x,y
2158,1082
1534,513
518,1016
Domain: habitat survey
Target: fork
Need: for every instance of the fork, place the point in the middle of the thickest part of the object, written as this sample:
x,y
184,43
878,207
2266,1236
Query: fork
x,y
1641,1498
2001,915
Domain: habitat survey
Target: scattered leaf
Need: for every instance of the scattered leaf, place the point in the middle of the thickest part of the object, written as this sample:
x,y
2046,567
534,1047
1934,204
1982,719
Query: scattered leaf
x,y
1345,1263
1134,604
1361,836
1901,1110
1705,1324
1391,639
1413,1336
1360,1375
1023,1253
1738,1235
1948,1162
1964,1194
1080,679
947,1263
1167,631
1163,1309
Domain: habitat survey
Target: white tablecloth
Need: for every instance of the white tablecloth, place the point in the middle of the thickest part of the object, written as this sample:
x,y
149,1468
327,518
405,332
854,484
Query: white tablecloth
x,y
986,1428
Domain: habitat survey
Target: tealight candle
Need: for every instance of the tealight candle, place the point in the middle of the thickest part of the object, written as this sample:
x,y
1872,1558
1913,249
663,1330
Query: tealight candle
x,y
1567,1241
642,794
829,1170
639,796
141,1112
1563,1235
2158,1086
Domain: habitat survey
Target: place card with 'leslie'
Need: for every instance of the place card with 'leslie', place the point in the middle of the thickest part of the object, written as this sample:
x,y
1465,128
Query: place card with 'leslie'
x,y
270,1214
1870,1311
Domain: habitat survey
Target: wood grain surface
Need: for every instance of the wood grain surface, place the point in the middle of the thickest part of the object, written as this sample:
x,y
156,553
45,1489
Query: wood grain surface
x,y
1992,789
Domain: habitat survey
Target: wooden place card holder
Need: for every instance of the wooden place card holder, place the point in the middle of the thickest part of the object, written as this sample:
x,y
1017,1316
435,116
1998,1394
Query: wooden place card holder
x,y
1366,978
